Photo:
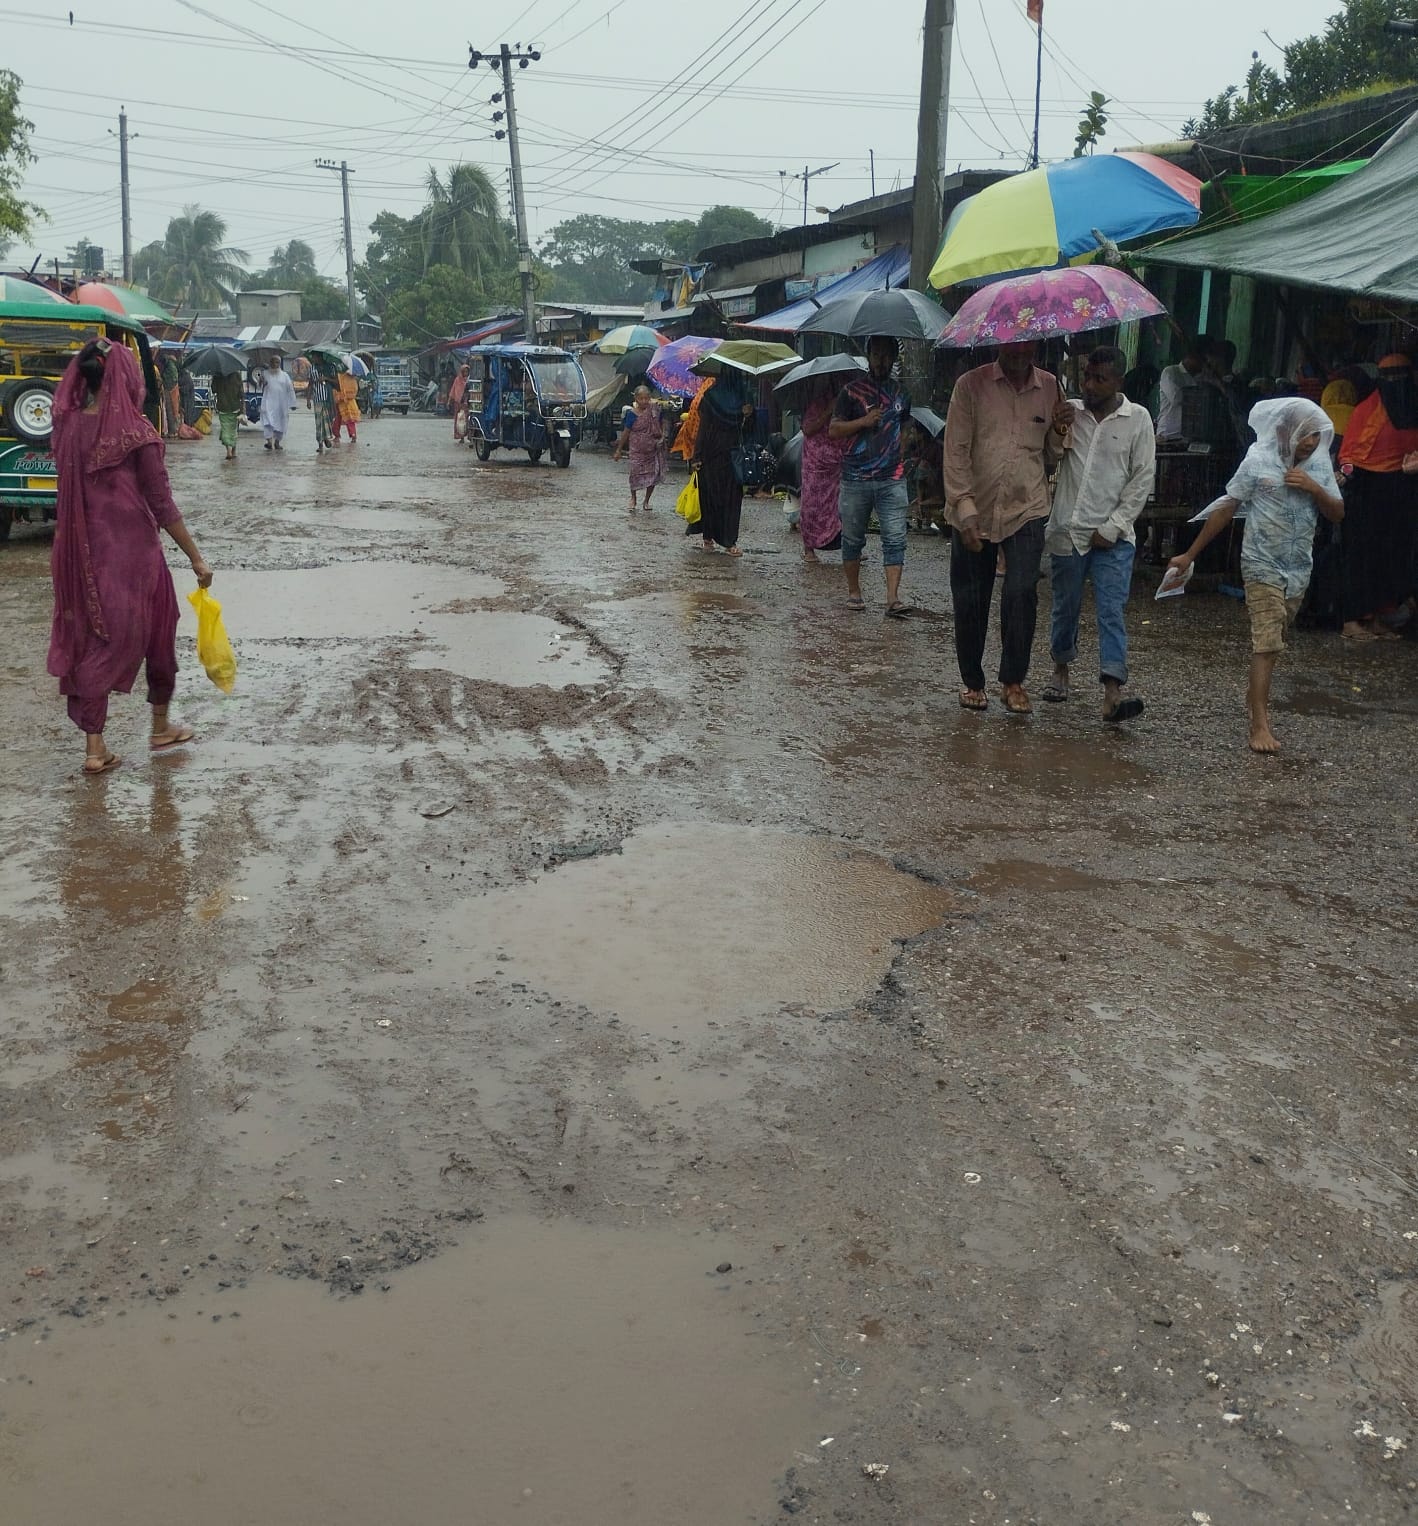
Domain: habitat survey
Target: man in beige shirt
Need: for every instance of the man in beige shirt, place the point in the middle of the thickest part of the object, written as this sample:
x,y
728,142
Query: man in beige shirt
x,y
1008,422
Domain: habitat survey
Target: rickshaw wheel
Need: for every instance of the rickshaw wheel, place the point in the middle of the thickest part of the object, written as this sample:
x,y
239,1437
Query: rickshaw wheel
x,y
561,453
483,449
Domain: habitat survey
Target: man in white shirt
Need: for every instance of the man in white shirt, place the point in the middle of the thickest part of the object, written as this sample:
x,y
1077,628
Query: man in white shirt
x,y
1104,482
1173,383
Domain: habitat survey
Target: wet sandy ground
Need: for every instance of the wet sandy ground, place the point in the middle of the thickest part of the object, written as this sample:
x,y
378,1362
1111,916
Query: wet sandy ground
x,y
593,1033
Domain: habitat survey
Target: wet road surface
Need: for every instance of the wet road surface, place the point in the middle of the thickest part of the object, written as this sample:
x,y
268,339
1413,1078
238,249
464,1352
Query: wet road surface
x,y
556,915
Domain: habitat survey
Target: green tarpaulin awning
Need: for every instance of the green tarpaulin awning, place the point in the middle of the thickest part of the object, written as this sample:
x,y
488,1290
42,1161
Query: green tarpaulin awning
x,y
1242,198
1355,236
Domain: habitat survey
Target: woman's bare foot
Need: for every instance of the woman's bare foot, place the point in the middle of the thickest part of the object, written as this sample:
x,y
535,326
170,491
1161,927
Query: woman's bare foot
x,y
809,555
1356,630
708,542
1263,739
733,551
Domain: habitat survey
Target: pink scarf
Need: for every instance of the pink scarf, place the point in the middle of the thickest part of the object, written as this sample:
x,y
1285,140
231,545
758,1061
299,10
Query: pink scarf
x,y
122,429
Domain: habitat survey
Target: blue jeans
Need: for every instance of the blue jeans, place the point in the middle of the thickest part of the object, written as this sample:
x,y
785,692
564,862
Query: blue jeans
x,y
856,503
1110,569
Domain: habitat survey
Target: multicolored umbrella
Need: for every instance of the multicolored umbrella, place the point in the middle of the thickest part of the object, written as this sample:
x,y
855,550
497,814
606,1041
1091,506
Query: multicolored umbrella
x,y
17,289
757,357
669,369
1048,303
122,299
1043,217
629,336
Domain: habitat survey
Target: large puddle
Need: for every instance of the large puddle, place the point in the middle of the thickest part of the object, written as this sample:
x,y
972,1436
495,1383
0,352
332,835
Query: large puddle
x,y
544,1374
431,607
689,924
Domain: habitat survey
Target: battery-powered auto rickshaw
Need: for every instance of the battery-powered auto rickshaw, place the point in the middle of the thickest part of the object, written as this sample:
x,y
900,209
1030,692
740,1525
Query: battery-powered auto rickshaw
x,y
524,397
37,342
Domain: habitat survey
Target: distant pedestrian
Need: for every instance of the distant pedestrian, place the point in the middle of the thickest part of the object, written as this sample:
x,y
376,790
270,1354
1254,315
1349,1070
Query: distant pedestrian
x,y
115,609
277,400
868,416
344,405
171,379
457,392
725,412
1006,426
1104,480
1284,481
319,399
642,429
229,392
819,507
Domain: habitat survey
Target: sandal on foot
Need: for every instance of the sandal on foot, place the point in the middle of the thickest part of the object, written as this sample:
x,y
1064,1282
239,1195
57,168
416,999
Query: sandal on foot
x,y
1124,710
1016,701
856,605
1055,694
899,611
103,764
174,738
974,699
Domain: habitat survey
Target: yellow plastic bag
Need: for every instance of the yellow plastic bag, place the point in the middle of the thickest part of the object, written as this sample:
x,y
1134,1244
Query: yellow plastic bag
x,y
687,504
213,648
204,422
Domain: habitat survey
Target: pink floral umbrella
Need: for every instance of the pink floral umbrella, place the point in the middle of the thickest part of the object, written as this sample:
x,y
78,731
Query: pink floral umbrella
x,y
1048,303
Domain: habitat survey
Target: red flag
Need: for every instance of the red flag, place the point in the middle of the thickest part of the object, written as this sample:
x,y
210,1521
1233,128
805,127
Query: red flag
x,y
1035,9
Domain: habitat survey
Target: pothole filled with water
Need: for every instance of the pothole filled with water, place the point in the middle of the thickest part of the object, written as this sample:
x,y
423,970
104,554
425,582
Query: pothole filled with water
x,y
694,924
545,1373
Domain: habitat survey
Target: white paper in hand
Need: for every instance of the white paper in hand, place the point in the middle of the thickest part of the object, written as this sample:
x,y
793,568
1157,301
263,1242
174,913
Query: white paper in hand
x,y
1174,584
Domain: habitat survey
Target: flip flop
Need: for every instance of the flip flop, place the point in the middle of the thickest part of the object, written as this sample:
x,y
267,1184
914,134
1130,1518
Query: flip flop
x,y
1018,706
974,699
899,611
857,606
1055,694
1124,710
176,739
112,760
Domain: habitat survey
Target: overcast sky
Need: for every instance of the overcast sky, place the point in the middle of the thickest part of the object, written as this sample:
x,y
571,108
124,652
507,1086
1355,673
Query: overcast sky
x,y
636,109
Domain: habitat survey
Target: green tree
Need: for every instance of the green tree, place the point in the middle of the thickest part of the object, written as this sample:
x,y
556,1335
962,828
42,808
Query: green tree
x,y
1092,125
433,307
190,265
16,214
320,298
727,225
292,265
590,255
463,225
1352,52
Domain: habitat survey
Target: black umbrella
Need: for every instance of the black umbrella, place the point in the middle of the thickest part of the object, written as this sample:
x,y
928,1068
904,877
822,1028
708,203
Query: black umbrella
x,y
811,370
637,361
215,360
899,314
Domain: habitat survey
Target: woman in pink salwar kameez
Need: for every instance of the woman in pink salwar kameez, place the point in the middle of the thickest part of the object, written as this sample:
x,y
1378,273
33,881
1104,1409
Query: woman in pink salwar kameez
x,y
643,430
115,608
818,519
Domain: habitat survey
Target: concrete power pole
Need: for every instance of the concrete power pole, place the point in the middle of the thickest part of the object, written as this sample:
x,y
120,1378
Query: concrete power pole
x,y
928,211
123,185
345,172
503,59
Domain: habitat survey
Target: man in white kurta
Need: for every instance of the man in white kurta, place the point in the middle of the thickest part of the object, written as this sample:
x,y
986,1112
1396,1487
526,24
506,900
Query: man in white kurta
x,y
276,403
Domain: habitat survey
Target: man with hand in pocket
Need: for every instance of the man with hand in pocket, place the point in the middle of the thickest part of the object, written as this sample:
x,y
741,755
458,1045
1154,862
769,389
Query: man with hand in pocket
x,y
1103,484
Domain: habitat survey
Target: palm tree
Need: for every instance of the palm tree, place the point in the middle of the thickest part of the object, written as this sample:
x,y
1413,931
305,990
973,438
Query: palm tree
x,y
191,266
462,225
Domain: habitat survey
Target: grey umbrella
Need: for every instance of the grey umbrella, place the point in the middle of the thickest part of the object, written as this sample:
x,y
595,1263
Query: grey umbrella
x,y
899,314
215,360
810,370
929,420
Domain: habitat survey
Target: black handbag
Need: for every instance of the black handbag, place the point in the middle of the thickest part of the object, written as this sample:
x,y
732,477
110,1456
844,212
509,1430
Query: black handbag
x,y
752,465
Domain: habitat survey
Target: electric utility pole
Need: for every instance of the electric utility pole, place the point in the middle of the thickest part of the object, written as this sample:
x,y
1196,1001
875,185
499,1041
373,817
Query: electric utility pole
x,y
123,184
123,189
928,208
808,175
345,172
503,59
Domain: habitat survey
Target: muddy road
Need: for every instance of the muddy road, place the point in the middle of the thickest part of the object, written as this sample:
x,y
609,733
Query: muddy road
x,y
592,1033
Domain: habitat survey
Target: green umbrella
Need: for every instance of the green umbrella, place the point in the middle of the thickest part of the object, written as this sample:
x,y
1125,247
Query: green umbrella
x,y
17,289
758,357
